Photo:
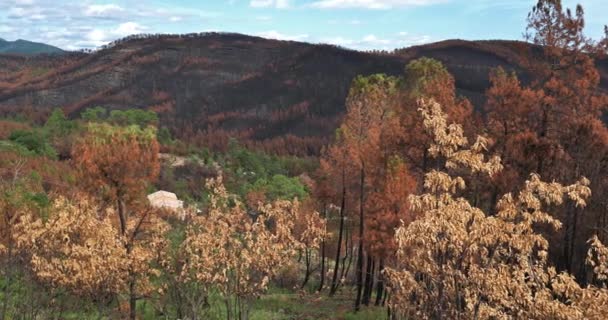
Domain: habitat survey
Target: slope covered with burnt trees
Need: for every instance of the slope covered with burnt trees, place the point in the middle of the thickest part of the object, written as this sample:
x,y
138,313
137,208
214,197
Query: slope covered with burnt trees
x,y
280,96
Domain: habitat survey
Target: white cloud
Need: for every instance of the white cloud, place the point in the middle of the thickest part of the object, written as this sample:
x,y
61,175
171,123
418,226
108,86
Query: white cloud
x,y
273,34
97,37
371,41
93,22
340,41
372,4
96,10
279,4
129,28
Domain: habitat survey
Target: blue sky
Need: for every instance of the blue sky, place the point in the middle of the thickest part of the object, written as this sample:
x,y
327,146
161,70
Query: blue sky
x,y
357,24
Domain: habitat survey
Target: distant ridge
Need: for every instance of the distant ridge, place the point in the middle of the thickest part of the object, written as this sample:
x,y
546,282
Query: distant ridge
x,y
25,47
275,95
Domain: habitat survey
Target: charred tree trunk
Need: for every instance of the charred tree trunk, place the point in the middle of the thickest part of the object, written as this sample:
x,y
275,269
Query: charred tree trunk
x,y
347,254
351,256
361,233
566,240
573,240
543,134
384,298
122,216
334,280
322,274
380,283
369,280
307,273
132,300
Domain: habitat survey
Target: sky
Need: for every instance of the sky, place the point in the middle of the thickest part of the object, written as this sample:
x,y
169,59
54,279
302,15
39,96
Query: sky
x,y
356,24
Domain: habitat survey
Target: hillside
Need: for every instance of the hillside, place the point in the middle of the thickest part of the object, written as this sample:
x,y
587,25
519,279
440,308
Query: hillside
x,y
24,47
209,87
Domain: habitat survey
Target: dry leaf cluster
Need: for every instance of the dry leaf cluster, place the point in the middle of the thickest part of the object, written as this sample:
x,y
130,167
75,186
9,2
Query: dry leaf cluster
x,y
456,261
238,254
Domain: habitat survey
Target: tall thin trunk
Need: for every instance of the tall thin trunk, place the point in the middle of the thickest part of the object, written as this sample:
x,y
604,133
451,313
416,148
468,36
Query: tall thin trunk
x,y
307,273
573,239
380,283
543,133
361,233
132,300
122,216
604,224
228,309
566,240
322,282
369,280
359,275
492,204
334,281
350,256
425,160
346,254
384,298
132,293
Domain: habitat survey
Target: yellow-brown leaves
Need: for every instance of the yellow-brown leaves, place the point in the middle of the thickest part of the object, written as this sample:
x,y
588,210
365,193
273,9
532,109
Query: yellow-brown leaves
x,y
314,229
449,142
237,253
439,182
597,258
527,206
74,249
80,248
457,262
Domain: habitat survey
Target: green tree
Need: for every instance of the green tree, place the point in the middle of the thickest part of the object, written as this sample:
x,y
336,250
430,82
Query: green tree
x,y
34,141
421,72
164,136
281,187
58,125
94,114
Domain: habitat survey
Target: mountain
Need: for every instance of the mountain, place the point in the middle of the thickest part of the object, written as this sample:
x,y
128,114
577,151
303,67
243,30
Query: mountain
x,y
278,95
27,47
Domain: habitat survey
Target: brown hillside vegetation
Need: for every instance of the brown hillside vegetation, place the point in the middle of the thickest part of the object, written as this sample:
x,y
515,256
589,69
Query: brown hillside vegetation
x,y
208,87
